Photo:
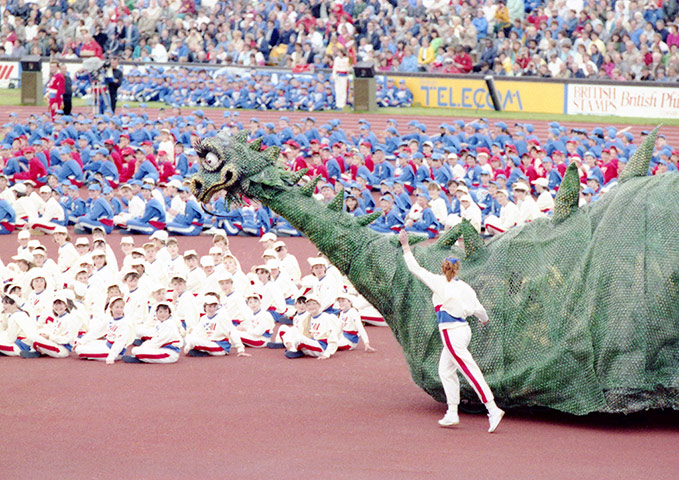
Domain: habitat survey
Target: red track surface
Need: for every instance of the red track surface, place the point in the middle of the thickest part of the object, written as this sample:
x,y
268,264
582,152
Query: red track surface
x,y
357,415
378,121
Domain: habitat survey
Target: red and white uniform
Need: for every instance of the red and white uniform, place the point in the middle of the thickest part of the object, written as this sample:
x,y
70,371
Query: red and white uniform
x,y
186,310
215,335
454,301
136,310
39,306
107,341
163,346
352,330
18,335
55,338
235,308
257,329
323,338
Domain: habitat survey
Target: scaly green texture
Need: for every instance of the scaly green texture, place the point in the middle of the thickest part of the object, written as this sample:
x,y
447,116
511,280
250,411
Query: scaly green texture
x,y
583,308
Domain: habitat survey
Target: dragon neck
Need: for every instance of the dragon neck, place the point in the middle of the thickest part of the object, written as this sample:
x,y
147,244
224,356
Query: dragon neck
x,y
348,245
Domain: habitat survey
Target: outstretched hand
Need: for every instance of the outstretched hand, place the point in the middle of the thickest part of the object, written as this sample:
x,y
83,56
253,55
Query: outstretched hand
x,y
403,238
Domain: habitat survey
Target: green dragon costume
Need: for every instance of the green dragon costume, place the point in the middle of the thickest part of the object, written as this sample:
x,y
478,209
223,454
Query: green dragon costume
x,y
584,307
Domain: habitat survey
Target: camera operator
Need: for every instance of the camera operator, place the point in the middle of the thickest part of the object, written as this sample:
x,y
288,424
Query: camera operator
x,y
114,78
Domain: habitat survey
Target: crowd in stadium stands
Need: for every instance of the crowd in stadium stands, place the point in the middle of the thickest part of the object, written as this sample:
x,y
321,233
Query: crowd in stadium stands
x,y
134,169
620,40
154,301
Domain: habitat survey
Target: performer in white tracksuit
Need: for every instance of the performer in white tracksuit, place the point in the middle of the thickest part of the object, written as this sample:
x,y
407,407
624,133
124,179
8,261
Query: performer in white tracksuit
x,y
341,69
454,301
165,343
21,329
109,339
55,338
320,333
214,334
257,328
351,324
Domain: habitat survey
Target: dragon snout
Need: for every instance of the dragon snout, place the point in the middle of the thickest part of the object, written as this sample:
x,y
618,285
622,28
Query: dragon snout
x,y
196,187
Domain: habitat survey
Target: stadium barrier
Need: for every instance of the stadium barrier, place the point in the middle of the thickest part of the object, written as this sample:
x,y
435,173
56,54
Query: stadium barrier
x,y
517,94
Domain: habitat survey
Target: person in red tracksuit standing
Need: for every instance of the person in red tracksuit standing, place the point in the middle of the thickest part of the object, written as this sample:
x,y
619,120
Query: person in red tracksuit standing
x,y
56,86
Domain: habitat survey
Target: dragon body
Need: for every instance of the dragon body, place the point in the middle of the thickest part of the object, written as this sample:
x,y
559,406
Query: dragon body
x,y
584,307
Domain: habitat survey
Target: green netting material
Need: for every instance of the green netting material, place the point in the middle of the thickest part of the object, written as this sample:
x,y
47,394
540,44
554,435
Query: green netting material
x,y
584,311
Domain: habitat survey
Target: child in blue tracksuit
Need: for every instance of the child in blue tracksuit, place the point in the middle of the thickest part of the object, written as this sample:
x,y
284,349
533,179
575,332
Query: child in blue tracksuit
x,y
427,222
390,221
191,221
154,214
100,213
7,217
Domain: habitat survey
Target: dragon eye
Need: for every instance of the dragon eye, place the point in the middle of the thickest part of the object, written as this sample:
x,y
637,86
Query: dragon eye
x,y
211,162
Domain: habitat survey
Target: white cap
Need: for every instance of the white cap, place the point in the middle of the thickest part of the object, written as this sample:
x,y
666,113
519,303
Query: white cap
x,y
24,234
273,264
189,253
207,261
486,169
175,183
83,241
60,229
313,297
19,188
223,275
160,235
269,252
317,261
503,192
215,251
210,298
541,181
33,244
263,267
45,189
462,188
466,198
268,237
129,240
520,186
278,244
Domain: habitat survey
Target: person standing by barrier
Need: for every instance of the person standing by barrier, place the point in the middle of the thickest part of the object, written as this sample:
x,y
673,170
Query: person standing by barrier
x,y
68,89
55,90
340,75
114,78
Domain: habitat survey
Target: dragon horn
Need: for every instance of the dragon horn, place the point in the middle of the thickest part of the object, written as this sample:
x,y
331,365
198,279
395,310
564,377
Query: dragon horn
x,y
364,220
272,154
449,238
641,160
472,240
241,137
308,189
336,203
256,144
566,201
297,176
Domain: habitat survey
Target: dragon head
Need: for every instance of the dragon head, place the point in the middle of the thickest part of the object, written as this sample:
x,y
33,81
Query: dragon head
x,y
230,163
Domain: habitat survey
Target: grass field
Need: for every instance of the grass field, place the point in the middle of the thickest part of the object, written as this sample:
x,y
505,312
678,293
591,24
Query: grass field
x,y
12,97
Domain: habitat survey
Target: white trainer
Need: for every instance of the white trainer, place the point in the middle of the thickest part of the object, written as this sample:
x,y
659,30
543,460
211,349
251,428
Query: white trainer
x,y
450,419
494,419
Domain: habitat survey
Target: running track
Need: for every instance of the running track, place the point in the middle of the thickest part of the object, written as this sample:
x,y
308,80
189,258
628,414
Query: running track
x,y
355,416
378,121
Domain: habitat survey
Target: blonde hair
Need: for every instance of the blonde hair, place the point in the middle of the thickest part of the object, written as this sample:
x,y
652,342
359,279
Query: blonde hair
x,y
450,269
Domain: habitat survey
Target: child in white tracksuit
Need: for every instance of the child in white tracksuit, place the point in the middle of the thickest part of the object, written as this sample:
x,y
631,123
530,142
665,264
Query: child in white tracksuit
x,y
165,342
351,324
214,334
454,301
108,340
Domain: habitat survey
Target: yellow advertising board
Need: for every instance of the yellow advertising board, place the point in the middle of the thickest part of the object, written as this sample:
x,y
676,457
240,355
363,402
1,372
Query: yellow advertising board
x,y
534,97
